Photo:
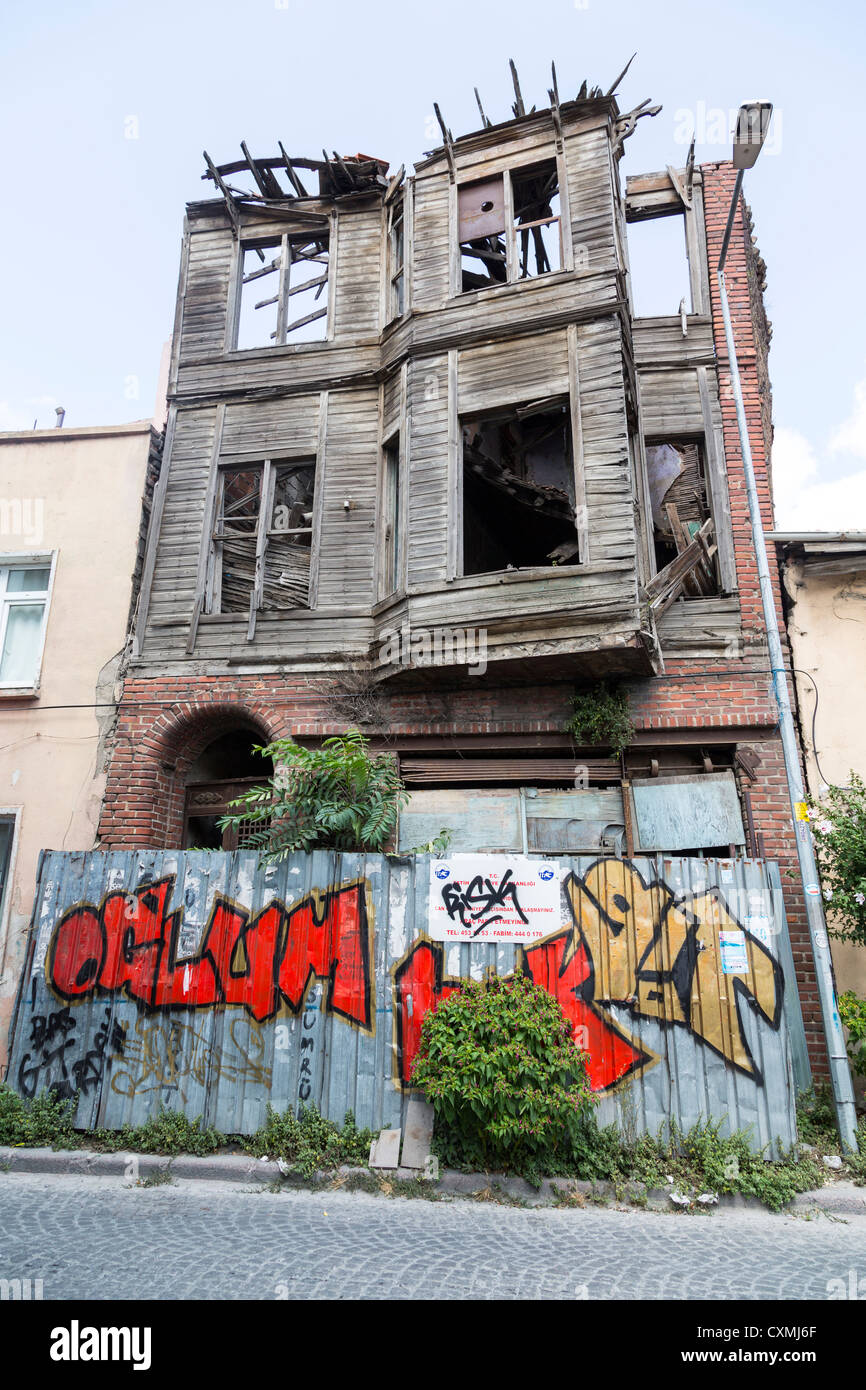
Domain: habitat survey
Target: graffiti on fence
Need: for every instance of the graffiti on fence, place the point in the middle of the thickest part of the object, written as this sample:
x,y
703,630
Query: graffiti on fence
x,y
162,1055
633,944
129,945
52,1065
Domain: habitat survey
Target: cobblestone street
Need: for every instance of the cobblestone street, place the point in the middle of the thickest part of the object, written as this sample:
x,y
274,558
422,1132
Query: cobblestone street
x,y
101,1238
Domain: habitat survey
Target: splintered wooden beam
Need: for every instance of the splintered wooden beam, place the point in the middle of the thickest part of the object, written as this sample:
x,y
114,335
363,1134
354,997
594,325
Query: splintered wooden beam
x,y
664,588
266,184
349,175
290,170
225,191
447,140
484,120
612,88
299,323
394,184
690,169
518,108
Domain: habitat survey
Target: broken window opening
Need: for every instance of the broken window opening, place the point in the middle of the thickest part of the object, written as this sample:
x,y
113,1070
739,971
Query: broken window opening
x,y
284,290
226,769
659,266
489,255
481,219
396,259
680,508
260,555
537,220
392,530
518,489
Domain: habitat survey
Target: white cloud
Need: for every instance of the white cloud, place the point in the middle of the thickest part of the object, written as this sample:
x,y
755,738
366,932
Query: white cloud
x,y
850,437
802,501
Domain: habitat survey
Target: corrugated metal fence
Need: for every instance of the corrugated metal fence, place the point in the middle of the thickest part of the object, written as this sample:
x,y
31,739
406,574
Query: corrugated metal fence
x,y
210,984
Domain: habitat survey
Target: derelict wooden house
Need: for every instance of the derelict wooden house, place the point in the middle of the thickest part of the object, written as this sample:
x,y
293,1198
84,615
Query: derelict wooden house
x,y
411,411
434,418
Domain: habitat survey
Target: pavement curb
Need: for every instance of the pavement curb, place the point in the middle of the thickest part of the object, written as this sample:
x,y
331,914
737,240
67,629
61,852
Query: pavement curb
x,y
843,1197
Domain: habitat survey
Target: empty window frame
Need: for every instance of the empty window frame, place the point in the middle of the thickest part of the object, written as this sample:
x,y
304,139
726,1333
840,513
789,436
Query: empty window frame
x,y
510,227
676,471
392,540
283,291
396,260
659,266
262,538
518,489
24,588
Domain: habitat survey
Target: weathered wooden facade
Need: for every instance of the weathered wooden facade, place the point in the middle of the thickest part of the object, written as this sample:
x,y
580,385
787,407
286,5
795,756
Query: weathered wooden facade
x,y
413,521
427,472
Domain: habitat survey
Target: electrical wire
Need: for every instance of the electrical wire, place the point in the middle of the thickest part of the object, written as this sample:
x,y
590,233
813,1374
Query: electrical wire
x,y
826,780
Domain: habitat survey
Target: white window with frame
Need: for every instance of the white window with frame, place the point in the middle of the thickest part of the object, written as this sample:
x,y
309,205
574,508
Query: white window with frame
x,y
510,227
25,586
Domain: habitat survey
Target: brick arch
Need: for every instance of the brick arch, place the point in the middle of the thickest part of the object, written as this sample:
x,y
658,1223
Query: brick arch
x,y
144,796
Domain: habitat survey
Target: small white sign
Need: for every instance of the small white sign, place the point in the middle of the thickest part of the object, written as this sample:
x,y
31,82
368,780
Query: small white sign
x,y
735,961
493,897
760,927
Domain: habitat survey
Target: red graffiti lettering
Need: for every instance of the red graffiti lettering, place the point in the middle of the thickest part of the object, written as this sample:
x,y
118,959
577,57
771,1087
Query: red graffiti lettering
x,y
611,1055
419,986
130,944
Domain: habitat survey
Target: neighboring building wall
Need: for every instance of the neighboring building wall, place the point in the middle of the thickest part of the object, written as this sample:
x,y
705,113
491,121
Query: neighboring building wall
x,y
827,631
80,493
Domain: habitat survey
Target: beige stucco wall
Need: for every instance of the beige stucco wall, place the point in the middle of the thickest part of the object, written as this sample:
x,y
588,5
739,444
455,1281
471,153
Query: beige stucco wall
x,y
80,494
827,630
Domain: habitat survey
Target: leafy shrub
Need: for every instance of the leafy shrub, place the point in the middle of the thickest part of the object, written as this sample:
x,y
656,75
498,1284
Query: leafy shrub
x,y
41,1121
507,1083
170,1132
339,796
838,824
601,716
852,1011
703,1160
308,1142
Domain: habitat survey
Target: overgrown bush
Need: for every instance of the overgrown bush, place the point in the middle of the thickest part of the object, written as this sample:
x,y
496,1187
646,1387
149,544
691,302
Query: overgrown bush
x,y
308,1142
338,796
838,823
507,1083
601,716
44,1120
852,1011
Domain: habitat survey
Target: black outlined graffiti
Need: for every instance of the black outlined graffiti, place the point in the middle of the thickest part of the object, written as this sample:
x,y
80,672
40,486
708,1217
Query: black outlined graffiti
x,y
51,1069
479,897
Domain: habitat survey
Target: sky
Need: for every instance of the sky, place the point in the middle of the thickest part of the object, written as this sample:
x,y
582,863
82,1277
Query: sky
x,y
106,107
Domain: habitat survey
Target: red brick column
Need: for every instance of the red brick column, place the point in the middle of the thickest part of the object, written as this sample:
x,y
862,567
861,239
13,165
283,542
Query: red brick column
x,y
770,794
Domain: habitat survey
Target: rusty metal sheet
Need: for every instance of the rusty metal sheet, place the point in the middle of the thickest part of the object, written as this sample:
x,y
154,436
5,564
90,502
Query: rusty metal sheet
x,y
210,984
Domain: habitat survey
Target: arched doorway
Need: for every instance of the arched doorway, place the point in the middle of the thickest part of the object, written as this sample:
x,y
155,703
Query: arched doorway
x,y
223,771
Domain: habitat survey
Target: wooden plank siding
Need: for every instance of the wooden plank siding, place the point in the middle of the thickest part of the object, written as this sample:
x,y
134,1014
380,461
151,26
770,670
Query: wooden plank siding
x,y
449,356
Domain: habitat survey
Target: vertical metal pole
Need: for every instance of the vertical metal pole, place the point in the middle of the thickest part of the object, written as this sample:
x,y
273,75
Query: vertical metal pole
x,y
843,1092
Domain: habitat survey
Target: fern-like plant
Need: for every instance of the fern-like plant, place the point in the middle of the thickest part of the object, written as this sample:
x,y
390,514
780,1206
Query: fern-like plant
x,y
338,796
601,716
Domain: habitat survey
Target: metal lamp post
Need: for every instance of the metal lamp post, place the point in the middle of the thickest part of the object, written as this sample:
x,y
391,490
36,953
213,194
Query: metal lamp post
x,y
753,121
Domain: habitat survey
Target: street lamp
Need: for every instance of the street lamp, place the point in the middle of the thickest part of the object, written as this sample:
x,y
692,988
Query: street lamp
x,y
753,120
